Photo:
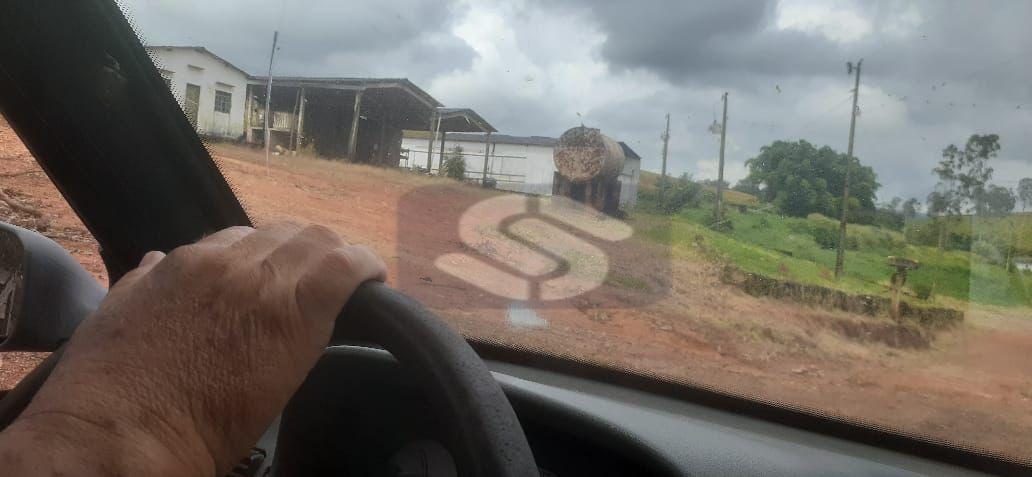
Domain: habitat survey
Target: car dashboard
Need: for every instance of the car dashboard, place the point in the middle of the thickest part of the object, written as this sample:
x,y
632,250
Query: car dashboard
x,y
358,414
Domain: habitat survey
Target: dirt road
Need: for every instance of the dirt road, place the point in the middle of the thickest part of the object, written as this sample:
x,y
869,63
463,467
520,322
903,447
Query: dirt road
x,y
972,385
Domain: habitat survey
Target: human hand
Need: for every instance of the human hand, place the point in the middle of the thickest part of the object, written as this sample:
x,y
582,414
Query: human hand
x,y
191,356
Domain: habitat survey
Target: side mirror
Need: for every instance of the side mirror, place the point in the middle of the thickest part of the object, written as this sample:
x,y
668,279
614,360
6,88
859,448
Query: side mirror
x,y
44,292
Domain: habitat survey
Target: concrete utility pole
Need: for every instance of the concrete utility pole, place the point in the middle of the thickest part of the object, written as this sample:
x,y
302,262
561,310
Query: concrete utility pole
x,y
841,255
355,117
293,131
430,146
440,158
718,214
300,121
666,142
487,157
268,100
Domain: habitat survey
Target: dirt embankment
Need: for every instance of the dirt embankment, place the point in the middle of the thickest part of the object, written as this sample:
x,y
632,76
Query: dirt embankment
x,y
969,385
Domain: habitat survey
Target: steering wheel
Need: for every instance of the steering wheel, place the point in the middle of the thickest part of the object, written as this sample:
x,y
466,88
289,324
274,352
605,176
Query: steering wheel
x,y
487,436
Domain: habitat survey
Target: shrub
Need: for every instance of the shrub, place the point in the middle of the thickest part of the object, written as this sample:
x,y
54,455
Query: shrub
x,y
723,225
852,243
988,251
876,239
826,237
927,233
672,197
455,164
922,290
881,217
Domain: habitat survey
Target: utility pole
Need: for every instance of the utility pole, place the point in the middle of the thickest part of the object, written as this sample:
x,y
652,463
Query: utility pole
x,y
430,146
841,255
718,214
666,142
268,100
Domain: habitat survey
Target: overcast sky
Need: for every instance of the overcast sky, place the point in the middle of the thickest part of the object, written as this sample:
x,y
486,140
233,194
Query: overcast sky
x,y
934,72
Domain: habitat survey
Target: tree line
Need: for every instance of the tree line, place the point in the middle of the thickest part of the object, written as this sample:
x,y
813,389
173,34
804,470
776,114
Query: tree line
x,y
799,179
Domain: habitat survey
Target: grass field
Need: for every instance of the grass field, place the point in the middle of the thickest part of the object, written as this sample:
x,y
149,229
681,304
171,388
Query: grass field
x,y
785,247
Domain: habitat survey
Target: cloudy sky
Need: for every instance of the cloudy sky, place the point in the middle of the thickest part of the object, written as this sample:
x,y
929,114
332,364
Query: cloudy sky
x,y
934,72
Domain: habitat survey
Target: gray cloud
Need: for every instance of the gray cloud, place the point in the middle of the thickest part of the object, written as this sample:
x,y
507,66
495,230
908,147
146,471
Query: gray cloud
x,y
960,54
531,68
317,37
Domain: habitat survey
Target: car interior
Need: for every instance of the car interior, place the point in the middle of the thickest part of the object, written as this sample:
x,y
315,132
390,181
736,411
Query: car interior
x,y
398,392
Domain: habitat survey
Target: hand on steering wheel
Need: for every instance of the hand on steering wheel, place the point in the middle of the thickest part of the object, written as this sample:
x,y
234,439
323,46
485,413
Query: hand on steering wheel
x,y
191,355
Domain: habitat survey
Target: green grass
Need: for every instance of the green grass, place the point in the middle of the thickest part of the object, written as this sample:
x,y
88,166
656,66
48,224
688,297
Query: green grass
x,y
784,247
627,281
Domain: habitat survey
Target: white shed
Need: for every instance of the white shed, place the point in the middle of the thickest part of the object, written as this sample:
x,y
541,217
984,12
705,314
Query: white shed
x,y
210,90
516,163
521,164
629,177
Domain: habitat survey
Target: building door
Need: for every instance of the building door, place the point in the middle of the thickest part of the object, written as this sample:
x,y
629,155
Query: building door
x,y
192,104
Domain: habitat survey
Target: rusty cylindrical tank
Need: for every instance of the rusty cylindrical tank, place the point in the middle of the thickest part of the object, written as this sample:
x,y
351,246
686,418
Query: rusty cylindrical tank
x,y
585,153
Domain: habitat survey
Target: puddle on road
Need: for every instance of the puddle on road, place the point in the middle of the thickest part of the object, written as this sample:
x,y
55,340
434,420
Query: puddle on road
x,y
522,316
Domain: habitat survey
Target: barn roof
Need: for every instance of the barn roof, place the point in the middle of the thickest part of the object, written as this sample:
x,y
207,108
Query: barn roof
x,y
628,152
351,83
199,49
463,119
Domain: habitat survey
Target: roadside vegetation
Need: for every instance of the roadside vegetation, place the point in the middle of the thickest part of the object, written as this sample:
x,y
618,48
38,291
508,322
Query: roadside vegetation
x,y
967,253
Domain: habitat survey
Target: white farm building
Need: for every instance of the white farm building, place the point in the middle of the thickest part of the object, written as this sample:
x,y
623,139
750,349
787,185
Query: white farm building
x,y
367,120
210,90
521,164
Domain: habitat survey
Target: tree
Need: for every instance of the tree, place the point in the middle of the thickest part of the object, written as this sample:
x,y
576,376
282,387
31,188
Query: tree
x,y
887,217
801,179
999,201
455,164
939,203
1025,192
910,208
965,173
894,203
748,187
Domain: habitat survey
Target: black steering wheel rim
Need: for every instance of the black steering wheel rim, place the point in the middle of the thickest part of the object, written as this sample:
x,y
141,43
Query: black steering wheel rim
x,y
457,383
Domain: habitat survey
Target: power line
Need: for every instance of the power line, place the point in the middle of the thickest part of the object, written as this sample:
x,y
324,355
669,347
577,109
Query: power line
x,y
830,110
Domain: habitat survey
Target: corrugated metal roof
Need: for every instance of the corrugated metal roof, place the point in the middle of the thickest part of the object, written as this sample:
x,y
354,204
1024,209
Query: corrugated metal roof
x,y
349,82
470,117
505,139
628,152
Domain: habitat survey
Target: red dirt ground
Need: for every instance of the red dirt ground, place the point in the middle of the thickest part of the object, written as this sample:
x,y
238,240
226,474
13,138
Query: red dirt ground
x,y
972,386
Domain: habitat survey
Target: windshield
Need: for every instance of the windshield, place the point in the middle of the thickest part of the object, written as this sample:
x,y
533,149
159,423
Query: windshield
x,y
815,204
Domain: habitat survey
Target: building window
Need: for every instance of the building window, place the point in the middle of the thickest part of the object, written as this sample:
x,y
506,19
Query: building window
x,y
223,100
168,81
